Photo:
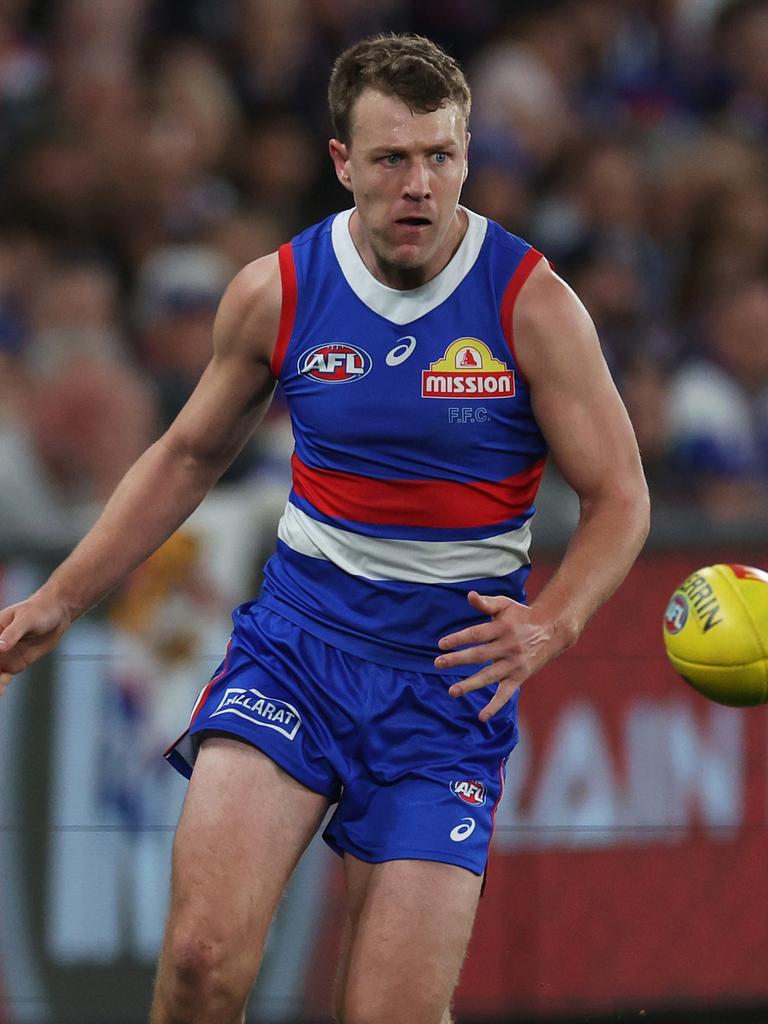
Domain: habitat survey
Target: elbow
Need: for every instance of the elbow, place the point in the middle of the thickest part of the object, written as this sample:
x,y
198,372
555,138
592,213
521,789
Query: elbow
x,y
636,508
626,504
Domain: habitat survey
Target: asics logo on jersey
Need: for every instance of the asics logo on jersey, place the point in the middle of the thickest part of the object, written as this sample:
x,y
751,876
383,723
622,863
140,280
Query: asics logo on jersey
x,y
469,369
254,706
336,363
463,830
401,350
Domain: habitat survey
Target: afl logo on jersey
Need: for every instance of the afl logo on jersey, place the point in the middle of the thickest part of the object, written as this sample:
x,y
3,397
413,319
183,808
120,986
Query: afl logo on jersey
x,y
469,369
336,363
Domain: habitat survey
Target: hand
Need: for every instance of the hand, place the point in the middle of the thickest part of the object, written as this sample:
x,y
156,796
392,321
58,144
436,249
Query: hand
x,y
514,642
29,630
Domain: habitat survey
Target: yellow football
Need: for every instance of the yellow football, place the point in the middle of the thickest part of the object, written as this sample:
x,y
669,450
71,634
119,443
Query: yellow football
x,y
716,633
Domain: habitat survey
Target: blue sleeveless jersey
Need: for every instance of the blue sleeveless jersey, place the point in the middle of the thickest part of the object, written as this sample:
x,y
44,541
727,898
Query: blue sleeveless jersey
x,y
417,456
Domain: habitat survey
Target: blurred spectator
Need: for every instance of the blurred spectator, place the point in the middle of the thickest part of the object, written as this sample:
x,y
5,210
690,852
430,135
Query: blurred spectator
x,y
65,442
245,235
177,292
74,313
149,150
24,74
742,37
719,409
24,258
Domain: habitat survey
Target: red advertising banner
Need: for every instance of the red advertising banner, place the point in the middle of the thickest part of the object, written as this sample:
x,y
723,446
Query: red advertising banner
x,y
629,865
628,868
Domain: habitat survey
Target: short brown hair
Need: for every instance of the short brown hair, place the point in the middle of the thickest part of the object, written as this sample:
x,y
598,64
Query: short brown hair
x,y
410,67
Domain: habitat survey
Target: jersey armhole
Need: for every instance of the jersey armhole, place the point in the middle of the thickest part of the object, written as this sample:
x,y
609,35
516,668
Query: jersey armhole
x,y
287,307
515,284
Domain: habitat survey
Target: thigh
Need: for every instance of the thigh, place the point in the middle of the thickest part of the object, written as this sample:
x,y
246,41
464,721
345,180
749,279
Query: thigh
x,y
410,923
244,825
427,775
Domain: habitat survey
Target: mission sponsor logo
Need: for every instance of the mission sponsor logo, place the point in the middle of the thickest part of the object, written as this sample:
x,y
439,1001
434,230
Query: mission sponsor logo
x,y
336,363
469,369
255,707
471,791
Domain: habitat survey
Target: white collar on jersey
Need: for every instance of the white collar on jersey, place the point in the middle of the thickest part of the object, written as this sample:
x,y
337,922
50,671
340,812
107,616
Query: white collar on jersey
x,y
402,307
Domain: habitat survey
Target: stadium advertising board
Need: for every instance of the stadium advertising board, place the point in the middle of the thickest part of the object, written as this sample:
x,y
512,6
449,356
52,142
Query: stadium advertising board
x,y
628,864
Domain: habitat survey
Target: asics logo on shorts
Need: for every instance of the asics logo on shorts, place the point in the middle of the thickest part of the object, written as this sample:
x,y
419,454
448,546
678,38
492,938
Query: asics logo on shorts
x,y
256,707
463,830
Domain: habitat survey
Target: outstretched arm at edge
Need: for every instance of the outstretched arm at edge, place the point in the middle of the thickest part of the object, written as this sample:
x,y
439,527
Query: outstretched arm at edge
x,y
167,483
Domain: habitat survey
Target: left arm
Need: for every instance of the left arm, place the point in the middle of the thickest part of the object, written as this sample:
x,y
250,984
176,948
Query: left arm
x,y
592,442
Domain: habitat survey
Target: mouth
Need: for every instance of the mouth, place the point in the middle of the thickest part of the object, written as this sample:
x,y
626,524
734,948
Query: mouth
x,y
414,222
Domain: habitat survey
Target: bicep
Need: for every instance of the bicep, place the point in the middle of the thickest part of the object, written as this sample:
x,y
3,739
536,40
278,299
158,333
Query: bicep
x,y
573,396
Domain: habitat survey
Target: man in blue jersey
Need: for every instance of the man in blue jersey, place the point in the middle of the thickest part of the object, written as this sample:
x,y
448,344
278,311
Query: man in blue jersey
x,y
430,360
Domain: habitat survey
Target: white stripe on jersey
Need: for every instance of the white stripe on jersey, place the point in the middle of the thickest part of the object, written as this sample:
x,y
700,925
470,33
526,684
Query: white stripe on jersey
x,y
405,561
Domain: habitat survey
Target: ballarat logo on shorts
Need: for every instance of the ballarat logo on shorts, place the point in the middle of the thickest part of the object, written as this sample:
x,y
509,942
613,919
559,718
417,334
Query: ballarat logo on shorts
x,y
471,791
469,370
261,710
336,363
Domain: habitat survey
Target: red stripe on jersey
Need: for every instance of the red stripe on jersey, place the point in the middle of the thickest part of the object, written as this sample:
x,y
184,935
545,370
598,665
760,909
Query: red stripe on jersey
x,y
288,306
440,503
516,282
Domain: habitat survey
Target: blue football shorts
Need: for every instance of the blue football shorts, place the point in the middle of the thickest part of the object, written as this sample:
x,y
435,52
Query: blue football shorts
x,y
414,773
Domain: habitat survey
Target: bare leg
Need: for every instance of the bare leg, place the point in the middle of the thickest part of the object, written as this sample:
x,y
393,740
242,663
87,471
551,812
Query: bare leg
x,y
409,925
244,826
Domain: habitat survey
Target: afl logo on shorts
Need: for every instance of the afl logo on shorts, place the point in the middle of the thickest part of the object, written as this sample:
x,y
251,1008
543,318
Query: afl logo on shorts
x,y
335,364
471,791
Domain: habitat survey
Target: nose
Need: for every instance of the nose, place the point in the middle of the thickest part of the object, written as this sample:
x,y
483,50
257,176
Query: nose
x,y
417,184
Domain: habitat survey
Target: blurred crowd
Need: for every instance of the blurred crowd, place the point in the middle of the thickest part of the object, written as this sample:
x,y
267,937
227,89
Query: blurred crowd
x,y
150,148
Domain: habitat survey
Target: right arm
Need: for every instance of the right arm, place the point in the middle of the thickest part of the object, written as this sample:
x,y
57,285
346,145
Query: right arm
x,y
170,479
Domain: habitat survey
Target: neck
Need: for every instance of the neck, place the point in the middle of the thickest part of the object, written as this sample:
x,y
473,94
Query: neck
x,y
405,278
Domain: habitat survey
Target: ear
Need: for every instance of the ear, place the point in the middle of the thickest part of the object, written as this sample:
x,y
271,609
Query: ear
x,y
340,155
466,158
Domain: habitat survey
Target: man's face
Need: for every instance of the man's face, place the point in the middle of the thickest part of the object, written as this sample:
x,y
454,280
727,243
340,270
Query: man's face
x,y
406,172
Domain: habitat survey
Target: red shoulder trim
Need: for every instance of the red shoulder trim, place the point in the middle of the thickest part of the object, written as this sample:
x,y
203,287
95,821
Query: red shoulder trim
x,y
288,307
516,282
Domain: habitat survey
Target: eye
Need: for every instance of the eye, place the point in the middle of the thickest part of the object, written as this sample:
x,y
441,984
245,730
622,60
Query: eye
x,y
441,158
392,159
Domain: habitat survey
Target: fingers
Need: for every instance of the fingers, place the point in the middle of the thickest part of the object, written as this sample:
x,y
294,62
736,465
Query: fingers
x,y
475,655
479,634
487,604
485,677
11,632
483,632
477,643
5,678
503,696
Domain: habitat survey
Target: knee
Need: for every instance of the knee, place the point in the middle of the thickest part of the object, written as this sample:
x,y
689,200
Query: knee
x,y
197,979
196,963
